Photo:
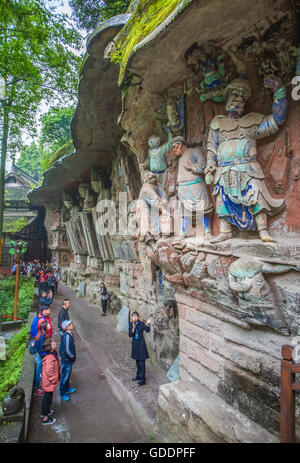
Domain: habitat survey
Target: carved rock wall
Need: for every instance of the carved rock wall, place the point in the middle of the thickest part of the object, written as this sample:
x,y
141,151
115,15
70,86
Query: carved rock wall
x,y
227,306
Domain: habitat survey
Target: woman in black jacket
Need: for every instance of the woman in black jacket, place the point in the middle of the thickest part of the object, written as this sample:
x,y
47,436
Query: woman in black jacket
x,y
104,298
139,349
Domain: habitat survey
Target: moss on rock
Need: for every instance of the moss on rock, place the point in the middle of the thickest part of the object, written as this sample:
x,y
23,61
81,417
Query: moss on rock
x,y
146,17
64,150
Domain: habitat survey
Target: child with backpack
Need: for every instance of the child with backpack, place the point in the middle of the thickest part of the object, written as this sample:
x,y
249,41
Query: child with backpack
x,y
41,336
50,379
36,326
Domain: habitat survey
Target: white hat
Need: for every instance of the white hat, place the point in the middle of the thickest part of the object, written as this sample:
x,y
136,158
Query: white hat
x,y
65,323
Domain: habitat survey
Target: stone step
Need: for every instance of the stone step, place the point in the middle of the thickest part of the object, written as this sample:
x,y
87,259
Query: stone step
x,y
189,412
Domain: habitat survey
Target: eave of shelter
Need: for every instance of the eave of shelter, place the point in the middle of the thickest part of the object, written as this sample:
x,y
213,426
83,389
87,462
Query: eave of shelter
x,y
94,126
201,21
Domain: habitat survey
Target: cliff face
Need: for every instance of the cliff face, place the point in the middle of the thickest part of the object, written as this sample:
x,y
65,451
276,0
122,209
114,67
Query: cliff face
x,y
170,70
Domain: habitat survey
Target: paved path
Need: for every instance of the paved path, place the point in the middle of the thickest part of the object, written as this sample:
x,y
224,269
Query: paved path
x,y
96,412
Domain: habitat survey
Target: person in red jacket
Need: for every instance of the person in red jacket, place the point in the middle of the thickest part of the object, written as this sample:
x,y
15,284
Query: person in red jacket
x,y
50,379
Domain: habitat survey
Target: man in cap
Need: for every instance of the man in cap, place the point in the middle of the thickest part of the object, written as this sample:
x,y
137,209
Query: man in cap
x,y
242,197
67,353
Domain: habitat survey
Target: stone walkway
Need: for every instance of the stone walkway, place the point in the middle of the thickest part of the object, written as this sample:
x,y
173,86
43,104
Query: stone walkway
x,y
107,406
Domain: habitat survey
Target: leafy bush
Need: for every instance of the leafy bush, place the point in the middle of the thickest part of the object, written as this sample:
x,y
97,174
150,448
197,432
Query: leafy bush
x,y
10,369
7,291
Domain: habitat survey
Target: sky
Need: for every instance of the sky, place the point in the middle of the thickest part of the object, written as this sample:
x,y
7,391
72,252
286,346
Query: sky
x,y
61,6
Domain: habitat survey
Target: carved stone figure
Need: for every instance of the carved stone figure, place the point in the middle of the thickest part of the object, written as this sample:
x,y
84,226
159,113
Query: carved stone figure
x,y
175,115
156,159
74,229
255,298
98,185
14,401
152,200
207,62
104,242
87,198
242,198
191,187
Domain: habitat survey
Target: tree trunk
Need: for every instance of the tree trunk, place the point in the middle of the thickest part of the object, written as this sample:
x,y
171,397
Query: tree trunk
x,y
2,171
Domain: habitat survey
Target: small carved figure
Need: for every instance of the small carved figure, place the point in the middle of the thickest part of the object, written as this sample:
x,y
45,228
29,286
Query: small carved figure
x,y
255,298
152,200
156,159
14,401
208,64
87,198
242,197
98,185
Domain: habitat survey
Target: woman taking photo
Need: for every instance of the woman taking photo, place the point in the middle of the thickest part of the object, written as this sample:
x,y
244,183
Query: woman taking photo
x,y
139,350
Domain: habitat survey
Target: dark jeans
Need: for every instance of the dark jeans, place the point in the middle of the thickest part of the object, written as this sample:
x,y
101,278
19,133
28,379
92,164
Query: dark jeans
x,y
66,370
141,370
104,305
38,370
47,402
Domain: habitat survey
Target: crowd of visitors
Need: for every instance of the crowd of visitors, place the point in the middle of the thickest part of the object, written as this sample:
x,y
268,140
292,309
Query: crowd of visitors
x,y
46,274
50,370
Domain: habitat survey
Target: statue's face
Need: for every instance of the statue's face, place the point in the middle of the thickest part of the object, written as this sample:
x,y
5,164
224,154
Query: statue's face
x,y
178,149
236,102
82,191
154,142
150,178
96,186
68,204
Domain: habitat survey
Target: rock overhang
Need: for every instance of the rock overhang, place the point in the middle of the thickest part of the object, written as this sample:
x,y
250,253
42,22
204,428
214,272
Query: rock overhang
x,y
94,125
169,41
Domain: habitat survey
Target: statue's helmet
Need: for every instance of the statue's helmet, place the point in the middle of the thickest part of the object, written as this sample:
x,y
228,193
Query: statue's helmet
x,y
178,139
238,84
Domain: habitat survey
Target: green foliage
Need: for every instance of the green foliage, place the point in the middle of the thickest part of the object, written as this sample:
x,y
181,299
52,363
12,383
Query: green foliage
x,y
67,148
10,369
37,61
7,290
147,15
30,160
56,134
88,13
15,226
56,127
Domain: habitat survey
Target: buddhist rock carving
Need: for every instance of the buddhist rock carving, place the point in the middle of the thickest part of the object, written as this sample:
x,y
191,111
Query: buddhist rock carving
x,y
242,198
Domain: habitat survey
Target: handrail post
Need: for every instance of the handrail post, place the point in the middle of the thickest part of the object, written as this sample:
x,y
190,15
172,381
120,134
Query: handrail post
x,y
287,397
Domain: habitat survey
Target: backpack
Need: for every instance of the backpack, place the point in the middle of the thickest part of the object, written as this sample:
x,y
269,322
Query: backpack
x,y
34,326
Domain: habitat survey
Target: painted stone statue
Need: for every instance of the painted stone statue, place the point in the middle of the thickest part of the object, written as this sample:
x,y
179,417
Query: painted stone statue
x,y
242,198
207,62
191,188
156,160
255,298
152,201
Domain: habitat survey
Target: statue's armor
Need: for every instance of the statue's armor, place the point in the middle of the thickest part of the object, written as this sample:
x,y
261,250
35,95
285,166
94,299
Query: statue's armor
x,y
192,190
240,190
